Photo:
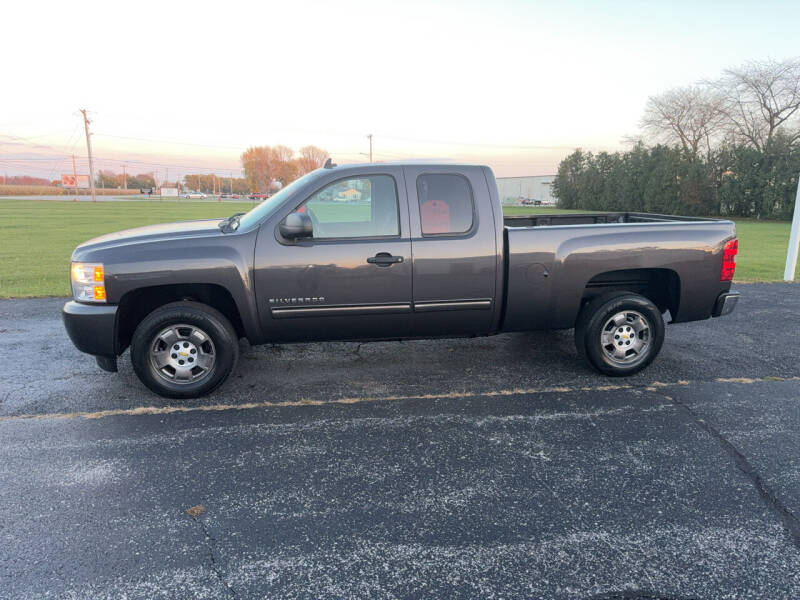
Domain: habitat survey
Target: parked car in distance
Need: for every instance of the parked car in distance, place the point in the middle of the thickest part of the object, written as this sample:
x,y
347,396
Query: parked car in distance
x,y
258,196
531,202
424,252
194,195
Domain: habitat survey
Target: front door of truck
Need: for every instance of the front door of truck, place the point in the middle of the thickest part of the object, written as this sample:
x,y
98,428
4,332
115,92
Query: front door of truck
x,y
352,278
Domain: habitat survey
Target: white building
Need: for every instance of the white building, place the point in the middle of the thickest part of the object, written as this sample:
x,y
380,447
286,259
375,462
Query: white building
x,y
515,190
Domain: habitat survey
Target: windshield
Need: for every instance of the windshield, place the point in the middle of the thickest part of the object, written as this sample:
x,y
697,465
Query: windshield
x,y
266,208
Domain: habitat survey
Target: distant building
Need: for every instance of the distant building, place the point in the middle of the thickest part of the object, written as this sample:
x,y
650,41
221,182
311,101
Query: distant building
x,y
349,194
169,191
530,189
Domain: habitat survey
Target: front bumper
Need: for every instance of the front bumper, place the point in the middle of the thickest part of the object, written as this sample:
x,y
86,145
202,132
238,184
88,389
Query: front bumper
x,y
92,328
725,304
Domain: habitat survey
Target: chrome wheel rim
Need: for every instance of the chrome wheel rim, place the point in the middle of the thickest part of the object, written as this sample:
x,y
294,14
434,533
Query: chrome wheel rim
x,y
625,338
182,354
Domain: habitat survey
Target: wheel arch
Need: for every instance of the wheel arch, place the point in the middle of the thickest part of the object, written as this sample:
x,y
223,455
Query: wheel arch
x,y
136,304
659,285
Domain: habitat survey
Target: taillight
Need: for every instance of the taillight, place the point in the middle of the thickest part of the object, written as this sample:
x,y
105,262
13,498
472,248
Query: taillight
x,y
729,260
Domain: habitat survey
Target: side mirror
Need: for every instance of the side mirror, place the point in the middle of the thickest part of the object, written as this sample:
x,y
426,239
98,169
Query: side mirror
x,y
296,225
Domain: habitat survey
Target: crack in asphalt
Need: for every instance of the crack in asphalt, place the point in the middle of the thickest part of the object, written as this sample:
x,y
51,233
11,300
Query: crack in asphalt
x,y
210,542
787,517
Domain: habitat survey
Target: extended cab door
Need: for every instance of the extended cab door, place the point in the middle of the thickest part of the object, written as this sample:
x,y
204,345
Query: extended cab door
x,y
352,278
455,249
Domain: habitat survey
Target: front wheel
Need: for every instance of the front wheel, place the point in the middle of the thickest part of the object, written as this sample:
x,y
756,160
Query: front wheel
x,y
184,350
620,334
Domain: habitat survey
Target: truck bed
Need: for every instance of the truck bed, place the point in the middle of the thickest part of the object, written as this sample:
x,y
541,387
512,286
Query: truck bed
x,y
540,220
555,261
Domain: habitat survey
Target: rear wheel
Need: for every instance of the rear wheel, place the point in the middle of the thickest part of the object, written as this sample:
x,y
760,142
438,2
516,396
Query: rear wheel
x,y
620,334
184,350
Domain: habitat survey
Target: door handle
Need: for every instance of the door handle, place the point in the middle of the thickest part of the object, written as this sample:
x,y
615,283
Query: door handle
x,y
384,259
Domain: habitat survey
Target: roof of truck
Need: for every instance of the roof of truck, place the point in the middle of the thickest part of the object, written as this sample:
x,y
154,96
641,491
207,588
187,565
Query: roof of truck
x,y
410,163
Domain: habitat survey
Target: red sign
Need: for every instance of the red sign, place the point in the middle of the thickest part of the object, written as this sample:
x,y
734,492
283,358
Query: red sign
x,y
68,181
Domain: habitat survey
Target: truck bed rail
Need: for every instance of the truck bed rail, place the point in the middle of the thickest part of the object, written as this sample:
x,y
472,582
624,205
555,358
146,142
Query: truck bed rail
x,y
594,219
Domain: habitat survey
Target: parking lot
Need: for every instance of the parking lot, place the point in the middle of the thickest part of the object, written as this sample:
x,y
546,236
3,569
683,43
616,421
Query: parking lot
x,y
488,467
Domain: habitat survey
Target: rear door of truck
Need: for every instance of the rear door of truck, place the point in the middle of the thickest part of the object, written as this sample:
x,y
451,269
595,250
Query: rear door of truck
x,y
454,249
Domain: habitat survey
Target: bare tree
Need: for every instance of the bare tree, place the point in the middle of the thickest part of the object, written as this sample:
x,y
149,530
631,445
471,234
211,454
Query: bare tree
x,y
759,98
690,116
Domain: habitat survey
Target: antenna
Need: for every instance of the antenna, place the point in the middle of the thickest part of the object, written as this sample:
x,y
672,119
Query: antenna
x,y
329,164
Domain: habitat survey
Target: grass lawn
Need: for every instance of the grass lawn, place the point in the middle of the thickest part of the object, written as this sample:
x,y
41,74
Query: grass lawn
x,y
37,238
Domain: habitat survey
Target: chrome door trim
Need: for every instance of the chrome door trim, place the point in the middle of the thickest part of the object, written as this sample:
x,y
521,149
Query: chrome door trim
x,y
336,311
470,304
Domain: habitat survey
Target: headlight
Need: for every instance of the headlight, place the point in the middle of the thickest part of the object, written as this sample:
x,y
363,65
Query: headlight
x,y
88,282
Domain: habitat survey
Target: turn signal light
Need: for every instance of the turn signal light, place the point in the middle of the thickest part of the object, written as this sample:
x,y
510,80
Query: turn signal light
x,y
99,292
729,260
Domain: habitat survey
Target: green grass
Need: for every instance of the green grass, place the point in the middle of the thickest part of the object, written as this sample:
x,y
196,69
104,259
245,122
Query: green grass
x,y
762,250
37,238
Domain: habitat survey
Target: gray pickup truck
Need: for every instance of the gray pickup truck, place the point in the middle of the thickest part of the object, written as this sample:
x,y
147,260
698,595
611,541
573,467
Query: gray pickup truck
x,y
387,252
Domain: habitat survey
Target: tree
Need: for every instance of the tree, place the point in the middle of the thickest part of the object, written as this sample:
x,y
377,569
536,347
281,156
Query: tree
x,y
567,181
258,168
759,98
142,180
284,168
689,116
310,158
108,179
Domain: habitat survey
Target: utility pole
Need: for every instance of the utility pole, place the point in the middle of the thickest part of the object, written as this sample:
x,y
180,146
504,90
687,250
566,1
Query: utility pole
x,y
125,176
89,148
369,135
75,175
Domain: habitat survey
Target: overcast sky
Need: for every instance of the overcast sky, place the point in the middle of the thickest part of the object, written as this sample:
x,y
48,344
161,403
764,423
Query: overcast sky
x,y
515,85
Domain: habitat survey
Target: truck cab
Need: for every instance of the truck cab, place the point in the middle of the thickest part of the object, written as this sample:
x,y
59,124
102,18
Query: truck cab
x,y
387,251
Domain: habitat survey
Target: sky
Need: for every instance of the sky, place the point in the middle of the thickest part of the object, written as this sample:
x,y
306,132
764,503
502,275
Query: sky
x,y
187,86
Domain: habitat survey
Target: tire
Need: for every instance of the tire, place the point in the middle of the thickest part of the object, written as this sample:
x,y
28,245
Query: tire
x,y
184,350
619,333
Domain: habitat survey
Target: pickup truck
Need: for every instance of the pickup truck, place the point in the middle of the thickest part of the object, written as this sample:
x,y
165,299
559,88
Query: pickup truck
x,y
387,252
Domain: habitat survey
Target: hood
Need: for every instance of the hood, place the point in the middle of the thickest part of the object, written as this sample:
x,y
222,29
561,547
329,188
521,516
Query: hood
x,y
151,233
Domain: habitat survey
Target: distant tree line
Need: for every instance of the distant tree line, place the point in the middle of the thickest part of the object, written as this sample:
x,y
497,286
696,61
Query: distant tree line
x,y
25,180
110,179
727,147
211,183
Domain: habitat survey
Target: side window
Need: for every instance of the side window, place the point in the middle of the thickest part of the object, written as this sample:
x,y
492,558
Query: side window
x,y
445,204
354,208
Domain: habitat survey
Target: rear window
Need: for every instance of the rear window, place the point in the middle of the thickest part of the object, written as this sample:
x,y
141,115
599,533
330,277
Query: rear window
x,y
446,205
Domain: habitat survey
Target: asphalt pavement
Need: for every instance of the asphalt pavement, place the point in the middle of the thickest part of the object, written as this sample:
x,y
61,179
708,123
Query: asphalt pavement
x,y
490,467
